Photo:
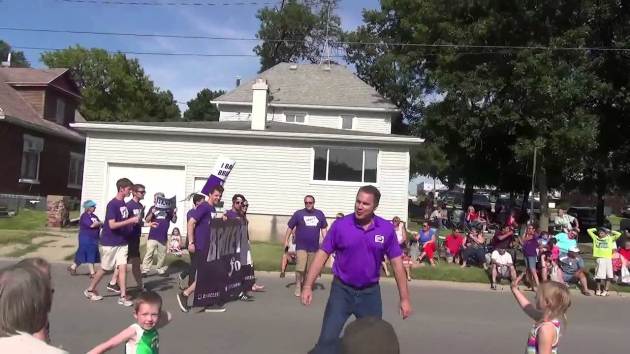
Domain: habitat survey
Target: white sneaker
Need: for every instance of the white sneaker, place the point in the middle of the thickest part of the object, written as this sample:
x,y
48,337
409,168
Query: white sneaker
x,y
598,292
298,291
92,295
604,293
123,301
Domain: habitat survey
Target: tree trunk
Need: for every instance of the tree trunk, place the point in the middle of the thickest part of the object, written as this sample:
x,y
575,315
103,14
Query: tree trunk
x,y
601,192
468,195
543,220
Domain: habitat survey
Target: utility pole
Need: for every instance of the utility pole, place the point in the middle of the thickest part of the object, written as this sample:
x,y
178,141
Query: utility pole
x,y
531,208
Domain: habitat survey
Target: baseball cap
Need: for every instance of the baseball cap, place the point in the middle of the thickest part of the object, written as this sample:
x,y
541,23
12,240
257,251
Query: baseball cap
x,y
369,335
89,204
574,249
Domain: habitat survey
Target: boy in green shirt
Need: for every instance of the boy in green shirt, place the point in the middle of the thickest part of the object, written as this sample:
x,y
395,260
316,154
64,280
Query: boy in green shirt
x,y
603,246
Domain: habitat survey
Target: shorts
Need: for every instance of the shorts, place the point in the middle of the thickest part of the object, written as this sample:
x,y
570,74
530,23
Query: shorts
x,y
304,259
530,262
604,269
569,278
112,256
503,271
134,248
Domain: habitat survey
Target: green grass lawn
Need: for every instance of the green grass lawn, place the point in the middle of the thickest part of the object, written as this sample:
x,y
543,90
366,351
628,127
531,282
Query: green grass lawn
x,y
27,219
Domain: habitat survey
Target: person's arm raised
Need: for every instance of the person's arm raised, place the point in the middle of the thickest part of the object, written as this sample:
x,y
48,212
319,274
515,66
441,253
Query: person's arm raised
x,y
527,307
122,337
313,272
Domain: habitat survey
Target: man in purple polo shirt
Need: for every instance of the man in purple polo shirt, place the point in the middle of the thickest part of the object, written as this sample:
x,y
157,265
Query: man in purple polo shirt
x,y
359,241
307,225
114,242
183,284
158,235
199,243
133,238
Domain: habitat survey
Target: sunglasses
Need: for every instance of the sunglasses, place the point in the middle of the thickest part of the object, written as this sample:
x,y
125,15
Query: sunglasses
x,y
309,203
141,192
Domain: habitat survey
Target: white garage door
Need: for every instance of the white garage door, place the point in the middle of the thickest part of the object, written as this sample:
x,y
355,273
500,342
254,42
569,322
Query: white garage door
x,y
170,180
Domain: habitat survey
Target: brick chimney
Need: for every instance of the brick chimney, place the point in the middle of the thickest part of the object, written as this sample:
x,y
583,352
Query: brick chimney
x,y
259,104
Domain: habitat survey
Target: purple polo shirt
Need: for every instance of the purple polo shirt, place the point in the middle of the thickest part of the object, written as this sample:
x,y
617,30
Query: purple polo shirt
x,y
189,214
203,214
135,209
163,218
85,226
359,253
116,210
307,228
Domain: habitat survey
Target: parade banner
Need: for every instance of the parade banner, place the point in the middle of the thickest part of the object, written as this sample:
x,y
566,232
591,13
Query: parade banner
x,y
227,271
222,168
166,203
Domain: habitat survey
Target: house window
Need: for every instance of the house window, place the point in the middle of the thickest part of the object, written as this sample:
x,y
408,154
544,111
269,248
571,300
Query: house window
x,y
75,171
294,117
346,122
60,113
345,164
31,150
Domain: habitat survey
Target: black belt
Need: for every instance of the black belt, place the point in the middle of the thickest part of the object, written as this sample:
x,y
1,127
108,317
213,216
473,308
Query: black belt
x,y
356,287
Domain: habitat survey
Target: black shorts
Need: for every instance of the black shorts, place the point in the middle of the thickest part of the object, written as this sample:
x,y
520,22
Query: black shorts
x,y
134,248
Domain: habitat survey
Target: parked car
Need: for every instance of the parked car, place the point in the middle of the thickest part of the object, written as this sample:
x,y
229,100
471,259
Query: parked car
x,y
587,217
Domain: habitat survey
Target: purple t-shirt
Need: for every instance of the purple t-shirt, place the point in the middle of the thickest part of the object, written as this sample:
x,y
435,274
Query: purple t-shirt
x,y
359,253
203,214
231,214
84,226
307,228
135,209
189,214
163,218
529,247
116,210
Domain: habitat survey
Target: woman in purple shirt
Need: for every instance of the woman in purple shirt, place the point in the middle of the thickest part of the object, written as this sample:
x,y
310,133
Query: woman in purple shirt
x,y
530,252
89,228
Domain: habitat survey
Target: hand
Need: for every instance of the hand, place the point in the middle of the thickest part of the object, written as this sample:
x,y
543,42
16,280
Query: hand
x,y
191,247
405,309
175,211
516,282
152,224
136,219
307,295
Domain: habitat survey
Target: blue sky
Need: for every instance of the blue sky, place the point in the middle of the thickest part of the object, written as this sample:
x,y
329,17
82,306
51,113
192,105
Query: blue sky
x,y
184,76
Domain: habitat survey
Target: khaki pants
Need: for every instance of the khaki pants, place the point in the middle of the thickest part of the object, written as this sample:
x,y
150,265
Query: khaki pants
x,y
154,250
304,260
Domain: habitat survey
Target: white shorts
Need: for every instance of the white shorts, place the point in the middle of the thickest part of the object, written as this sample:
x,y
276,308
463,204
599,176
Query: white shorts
x,y
604,269
112,256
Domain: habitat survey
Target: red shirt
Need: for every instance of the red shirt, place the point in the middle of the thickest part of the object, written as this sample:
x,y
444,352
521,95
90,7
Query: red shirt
x,y
454,242
472,216
624,253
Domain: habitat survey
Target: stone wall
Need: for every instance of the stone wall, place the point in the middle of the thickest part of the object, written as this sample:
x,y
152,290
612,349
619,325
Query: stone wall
x,y
58,211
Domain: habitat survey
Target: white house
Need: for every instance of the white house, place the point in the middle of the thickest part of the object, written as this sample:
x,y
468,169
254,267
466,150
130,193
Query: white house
x,y
293,130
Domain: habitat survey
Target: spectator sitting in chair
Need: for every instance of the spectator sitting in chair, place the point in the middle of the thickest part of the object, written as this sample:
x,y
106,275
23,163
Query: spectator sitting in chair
x,y
453,245
471,216
502,267
572,270
474,249
503,239
566,241
439,217
427,243
566,221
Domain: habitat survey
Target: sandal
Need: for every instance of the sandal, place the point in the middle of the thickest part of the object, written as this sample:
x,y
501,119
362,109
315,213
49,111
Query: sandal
x,y
258,288
71,270
92,275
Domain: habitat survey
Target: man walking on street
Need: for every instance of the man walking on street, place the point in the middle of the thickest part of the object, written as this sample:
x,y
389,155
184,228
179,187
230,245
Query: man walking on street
x,y
307,224
161,219
114,242
359,241
133,238
199,243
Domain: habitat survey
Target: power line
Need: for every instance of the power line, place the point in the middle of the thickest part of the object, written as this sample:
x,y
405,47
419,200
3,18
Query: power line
x,y
336,43
168,3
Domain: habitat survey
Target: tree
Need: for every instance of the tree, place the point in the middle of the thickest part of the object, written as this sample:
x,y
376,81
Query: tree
x,y
296,32
18,60
200,108
114,87
494,103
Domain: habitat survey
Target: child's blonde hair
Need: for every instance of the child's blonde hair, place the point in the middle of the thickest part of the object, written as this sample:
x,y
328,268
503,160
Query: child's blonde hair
x,y
556,299
148,297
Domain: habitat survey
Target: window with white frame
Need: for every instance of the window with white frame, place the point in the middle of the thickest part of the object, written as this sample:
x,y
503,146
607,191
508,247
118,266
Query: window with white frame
x,y
31,150
345,164
60,113
294,117
75,171
346,121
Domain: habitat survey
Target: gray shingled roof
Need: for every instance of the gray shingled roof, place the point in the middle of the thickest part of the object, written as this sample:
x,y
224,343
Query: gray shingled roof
x,y
312,84
279,127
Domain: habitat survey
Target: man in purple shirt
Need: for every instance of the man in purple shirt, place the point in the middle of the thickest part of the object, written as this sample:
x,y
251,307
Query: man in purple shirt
x,y
158,235
199,243
307,225
114,242
196,199
359,241
133,238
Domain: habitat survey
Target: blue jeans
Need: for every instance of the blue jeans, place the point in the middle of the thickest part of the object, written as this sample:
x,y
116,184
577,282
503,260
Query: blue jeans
x,y
343,302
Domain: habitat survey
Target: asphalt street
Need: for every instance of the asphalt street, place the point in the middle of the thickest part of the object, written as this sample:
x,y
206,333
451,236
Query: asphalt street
x,y
447,319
